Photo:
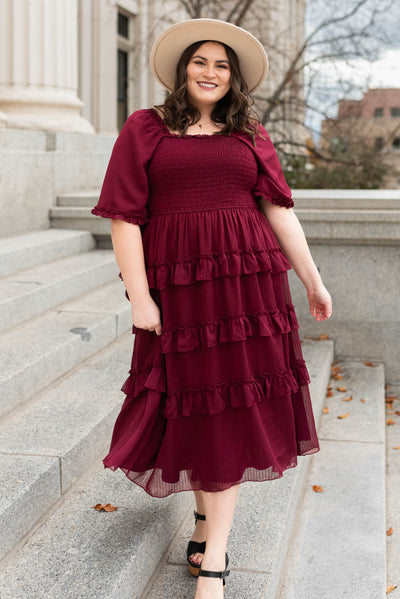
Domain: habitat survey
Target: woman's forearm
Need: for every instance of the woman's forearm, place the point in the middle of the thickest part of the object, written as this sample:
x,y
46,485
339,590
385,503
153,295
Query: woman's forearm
x,y
290,235
128,250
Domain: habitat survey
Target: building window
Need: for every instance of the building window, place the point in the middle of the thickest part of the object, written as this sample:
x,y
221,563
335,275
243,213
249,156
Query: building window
x,y
379,143
125,41
378,112
123,25
122,88
396,143
395,112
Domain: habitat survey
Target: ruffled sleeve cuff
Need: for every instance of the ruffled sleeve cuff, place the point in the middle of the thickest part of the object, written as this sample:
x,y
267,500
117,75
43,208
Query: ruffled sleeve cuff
x,y
134,219
263,190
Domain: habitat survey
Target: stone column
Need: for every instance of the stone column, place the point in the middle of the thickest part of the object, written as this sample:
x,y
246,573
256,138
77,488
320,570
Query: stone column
x,y
38,66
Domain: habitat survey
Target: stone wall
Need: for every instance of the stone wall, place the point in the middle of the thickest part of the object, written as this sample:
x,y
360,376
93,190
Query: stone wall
x,y
354,237
36,166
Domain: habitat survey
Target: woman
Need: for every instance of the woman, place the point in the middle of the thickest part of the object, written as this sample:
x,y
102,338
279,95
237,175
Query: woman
x,y
204,232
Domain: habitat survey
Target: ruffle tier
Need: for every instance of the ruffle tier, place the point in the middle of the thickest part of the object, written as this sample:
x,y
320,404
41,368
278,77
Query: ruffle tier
x,y
226,263
229,329
236,393
187,247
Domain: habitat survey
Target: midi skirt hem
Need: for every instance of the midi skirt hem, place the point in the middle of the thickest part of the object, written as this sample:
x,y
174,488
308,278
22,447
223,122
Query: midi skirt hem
x,y
186,484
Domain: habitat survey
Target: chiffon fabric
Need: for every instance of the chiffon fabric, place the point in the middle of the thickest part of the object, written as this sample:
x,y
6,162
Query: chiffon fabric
x,y
221,396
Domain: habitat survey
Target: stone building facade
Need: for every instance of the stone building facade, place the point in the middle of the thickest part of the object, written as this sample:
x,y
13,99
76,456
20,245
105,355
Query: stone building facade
x,y
71,71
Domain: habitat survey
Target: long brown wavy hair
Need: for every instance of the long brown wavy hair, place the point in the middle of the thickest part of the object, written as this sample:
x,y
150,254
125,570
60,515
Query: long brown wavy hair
x,y
234,110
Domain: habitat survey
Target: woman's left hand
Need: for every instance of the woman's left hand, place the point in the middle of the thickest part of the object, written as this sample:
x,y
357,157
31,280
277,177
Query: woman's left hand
x,y
320,303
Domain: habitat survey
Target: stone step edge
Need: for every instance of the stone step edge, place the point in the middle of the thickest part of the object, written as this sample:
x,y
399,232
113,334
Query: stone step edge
x,y
52,507
41,298
26,251
104,328
56,489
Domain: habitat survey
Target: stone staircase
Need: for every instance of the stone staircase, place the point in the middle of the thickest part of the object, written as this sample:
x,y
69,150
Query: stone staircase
x,y
65,350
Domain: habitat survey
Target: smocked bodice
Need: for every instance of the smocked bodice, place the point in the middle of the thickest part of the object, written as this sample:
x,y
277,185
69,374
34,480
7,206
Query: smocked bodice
x,y
201,173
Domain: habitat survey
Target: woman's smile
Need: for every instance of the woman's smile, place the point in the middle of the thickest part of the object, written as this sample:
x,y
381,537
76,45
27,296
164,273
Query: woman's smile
x,y
205,85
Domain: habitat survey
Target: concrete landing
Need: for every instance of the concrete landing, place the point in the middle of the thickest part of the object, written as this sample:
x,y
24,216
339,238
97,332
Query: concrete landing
x,y
338,546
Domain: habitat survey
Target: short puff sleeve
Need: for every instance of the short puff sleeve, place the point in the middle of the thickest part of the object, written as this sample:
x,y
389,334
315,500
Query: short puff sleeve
x,y
125,190
271,183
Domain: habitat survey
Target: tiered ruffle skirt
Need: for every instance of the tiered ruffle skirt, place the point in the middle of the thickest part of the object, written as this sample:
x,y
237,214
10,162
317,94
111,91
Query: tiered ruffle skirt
x,y
221,397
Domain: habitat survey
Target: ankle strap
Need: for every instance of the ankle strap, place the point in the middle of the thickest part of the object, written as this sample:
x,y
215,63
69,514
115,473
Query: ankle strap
x,y
212,574
198,516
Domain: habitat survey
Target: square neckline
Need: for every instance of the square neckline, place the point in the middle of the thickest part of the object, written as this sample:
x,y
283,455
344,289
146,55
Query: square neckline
x,y
171,134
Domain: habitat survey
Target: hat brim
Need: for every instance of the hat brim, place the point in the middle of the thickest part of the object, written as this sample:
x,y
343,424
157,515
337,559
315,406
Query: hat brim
x,y
168,48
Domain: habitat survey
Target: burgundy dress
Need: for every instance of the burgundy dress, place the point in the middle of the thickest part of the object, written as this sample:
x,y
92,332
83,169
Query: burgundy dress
x,y
221,397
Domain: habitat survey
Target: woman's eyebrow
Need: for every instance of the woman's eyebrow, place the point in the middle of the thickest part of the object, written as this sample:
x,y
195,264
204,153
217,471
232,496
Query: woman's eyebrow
x,y
202,57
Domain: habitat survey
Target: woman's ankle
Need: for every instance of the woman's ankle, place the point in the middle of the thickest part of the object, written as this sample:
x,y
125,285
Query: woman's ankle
x,y
215,558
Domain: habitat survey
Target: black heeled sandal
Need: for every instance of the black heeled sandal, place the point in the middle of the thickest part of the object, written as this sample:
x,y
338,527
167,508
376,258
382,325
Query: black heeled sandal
x,y
212,574
195,547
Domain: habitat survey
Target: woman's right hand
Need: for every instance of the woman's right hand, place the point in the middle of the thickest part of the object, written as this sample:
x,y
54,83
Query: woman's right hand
x,y
146,314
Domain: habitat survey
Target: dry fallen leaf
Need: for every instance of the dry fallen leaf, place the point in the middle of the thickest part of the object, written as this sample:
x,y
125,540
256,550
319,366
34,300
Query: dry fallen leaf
x,y
325,410
397,412
317,489
350,398
389,532
106,507
329,387
397,447
344,415
337,377
329,393
342,389
390,588
390,421
391,398
363,400
368,363
323,336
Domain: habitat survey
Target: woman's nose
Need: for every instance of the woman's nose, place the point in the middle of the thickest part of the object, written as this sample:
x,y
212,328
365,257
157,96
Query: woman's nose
x,y
209,70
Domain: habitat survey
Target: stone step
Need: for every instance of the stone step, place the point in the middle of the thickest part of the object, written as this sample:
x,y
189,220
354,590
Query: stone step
x,y
80,217
54,438
78,552
81,553
30,249
35,353
82,198
338,546
31,292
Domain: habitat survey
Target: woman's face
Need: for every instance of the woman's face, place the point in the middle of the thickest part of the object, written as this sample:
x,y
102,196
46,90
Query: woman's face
x,y
208,74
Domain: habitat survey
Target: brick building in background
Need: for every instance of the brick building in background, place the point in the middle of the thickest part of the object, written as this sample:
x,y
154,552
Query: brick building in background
x,y
374,121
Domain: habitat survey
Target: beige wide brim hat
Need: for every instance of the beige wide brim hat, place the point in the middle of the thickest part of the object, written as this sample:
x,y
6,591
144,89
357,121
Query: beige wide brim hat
x,y
168,48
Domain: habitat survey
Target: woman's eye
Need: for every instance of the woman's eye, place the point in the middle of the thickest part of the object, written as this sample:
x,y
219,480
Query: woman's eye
x,y
198,62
